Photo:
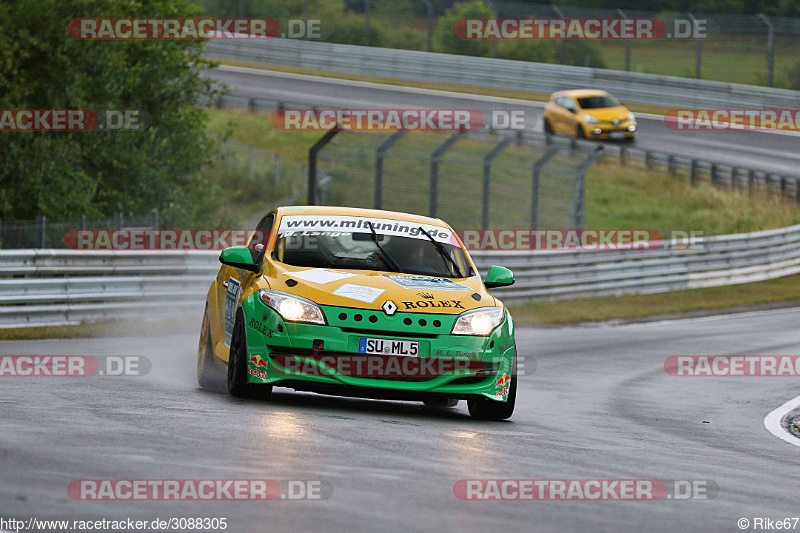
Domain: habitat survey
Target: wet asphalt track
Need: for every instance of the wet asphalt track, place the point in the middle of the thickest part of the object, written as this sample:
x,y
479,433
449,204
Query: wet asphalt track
x,y
763,151
599,405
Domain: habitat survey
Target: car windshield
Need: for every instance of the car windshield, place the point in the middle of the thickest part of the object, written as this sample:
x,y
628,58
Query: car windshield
x,y
595,102
303,242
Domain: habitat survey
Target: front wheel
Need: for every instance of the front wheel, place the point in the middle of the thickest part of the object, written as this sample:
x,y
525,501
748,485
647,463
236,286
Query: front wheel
x,y
237,366
486,409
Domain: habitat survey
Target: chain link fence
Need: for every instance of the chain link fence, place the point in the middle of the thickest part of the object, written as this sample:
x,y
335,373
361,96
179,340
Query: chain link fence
x,y
746,48
475,181
50,233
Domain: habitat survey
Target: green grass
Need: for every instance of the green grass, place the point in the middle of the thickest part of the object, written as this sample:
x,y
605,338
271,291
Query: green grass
x,y
763,294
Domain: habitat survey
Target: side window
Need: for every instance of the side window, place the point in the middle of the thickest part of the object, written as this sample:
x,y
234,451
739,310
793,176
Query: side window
x,y
258,241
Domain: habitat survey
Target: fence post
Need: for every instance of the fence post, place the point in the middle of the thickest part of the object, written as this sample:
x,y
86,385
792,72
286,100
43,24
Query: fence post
x,y
627,44
751,181
379,153
623,155
797,190
366,22
154,215
560,15
312,163
429,7
671,165
699,51
435,157
648,159
83,221
537,171
714,173
693,178
490,4
576,218
487,176
770,47
41,230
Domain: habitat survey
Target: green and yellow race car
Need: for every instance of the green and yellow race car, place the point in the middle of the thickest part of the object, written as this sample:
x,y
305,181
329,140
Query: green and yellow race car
x,y
359,302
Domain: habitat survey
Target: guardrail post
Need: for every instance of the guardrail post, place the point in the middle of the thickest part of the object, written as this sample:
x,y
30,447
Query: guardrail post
x,y
537,171
671,164
783,185
770,47
648,159
797,190
693,174
714,173
623,155
751,181
435,157
576,217
313,152
379,154
487,177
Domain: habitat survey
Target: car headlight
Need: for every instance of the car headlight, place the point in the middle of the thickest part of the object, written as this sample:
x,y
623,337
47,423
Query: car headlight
x,y
292,308
631,117
481,321
590,119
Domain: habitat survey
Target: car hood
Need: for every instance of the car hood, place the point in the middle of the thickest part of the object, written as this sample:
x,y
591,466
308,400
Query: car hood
x,y
370,290
607,114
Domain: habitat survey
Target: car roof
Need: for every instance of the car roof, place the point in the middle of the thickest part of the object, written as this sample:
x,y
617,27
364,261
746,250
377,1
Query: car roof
x,y
357,212
580,93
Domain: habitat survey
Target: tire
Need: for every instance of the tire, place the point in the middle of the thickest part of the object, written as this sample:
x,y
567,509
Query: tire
x,y
486,409
237,366
207,375
630,140
441,403
548,128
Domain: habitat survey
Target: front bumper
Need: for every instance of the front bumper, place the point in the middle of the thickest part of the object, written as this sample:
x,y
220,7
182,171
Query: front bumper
x,y
327,359
624,130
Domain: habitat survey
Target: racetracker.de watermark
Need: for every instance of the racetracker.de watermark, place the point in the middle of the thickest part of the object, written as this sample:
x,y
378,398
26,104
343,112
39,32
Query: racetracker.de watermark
x,y
578,29
115,29
75,366
198,489
584,489
733,365
73,120
732,119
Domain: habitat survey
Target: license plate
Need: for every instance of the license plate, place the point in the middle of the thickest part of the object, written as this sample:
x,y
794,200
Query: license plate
x,y
616,135
372,346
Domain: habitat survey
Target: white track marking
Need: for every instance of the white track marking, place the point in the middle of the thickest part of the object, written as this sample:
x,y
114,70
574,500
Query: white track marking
x,y
773,421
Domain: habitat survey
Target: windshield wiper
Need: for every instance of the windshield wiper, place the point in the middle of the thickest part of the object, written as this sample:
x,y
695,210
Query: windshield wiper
x,y
386,256
443,253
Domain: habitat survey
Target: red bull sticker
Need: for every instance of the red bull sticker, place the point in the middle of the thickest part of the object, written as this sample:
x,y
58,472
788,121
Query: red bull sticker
x,y
255,365
502,385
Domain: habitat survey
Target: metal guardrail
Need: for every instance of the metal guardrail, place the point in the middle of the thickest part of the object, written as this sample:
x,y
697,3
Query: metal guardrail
x,y
56,287
503,73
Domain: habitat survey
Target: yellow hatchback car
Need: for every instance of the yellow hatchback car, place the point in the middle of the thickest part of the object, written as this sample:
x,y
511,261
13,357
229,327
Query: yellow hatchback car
x,y
589,114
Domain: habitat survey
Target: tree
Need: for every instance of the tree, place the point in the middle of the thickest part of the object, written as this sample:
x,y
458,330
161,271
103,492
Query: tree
x,y
60,174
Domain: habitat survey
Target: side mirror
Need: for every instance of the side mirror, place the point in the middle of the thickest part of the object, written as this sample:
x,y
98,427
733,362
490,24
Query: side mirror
x,y
499,277
238,257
